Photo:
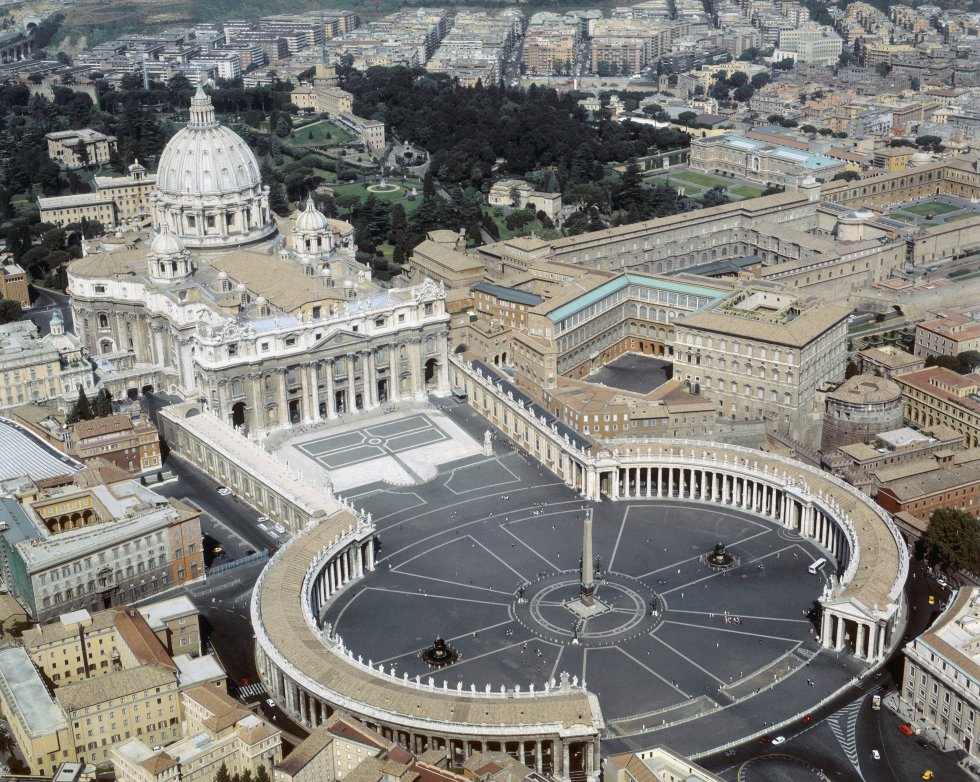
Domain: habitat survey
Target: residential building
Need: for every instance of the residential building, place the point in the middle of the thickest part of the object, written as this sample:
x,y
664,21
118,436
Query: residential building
x,y
114,200
331,752
141,702
13,283
220,732
35,368
936,395
941,680
72,149
947,479
888,361
176,622
893,159
36,722
128,440
860,464
95,539
658,764
954,330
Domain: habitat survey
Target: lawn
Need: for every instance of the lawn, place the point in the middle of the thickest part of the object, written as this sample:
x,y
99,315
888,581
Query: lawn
x,y
689,188
900,217
506,233
323,133
745,191
701,179
931,208
963,216
361,191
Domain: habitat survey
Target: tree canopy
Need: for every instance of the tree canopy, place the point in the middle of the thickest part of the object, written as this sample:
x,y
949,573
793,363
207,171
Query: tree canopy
x,y
952,540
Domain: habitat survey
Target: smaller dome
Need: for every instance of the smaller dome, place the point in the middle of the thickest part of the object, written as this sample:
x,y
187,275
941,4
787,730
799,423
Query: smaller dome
x,y
241,287
310,219
261,301
166,243
222,275
348,283
56,317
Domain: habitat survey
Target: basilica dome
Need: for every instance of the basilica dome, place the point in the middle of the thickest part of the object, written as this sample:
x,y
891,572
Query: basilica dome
x,y
209,190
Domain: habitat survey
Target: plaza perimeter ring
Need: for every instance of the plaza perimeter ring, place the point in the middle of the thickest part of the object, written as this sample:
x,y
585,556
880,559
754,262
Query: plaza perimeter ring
x,y
310,672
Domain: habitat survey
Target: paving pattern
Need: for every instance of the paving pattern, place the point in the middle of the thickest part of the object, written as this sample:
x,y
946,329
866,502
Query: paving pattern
x,y
375,441
487,555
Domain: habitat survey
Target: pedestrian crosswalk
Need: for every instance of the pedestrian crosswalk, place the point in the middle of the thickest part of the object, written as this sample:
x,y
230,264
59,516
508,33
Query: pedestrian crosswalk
x,y
843,724
249,691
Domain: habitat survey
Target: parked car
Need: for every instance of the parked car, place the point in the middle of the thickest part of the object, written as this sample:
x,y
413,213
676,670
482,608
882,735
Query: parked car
x,y
778,740
224,491
875,755
906,730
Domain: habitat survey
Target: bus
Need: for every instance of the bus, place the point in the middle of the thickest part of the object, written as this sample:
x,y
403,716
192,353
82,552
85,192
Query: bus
x,y
816,565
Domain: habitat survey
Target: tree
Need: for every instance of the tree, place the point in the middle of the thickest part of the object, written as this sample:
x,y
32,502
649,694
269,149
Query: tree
x,y
687,118
952,540
847,176
222,774
946,362
744,93
261,775
851,370
714,197
103,404
760,80
10,310
81,410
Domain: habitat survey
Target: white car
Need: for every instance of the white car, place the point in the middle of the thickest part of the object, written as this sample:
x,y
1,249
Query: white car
x,y
224,492
779,740
270,703
263,520
875,755
279,528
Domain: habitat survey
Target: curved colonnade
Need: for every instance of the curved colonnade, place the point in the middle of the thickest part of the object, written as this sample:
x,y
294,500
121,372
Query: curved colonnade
x,y
311,674
556,730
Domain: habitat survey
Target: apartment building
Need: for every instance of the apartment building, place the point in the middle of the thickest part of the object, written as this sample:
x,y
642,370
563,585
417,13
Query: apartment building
x,y
128,440
36,722
13,283
114,200
333,750
941,679
35,368
73,149
176,622
944,480
94,539
954,330
658,764
936,395
220,732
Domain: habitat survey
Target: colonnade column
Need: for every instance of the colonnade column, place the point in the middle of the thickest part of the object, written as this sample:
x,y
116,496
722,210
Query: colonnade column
x,y
281,393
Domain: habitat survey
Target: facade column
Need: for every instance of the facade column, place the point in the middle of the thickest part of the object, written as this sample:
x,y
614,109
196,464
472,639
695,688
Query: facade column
x,y
331,395
537,757
304,395
826,627
839,636
314,392
415,361
614,483
859,641
369,553
370,383
564,759
281,391
670,481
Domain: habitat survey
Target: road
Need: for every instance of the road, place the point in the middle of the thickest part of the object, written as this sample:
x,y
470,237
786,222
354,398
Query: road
x,y
840,738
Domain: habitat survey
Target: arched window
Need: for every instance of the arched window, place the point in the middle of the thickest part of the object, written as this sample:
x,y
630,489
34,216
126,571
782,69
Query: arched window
x,y
103,320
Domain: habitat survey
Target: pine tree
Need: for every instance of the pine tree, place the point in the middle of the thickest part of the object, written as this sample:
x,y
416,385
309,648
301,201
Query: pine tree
x,y
103,404
82,406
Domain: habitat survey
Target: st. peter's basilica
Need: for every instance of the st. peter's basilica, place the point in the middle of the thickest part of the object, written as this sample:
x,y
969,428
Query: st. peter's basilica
x,y
266,322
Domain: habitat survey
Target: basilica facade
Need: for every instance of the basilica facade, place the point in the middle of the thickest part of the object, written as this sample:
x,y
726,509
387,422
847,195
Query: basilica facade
x,y
266,323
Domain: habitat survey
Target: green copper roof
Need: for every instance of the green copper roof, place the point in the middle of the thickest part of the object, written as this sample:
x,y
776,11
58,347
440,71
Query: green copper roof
x,y
607,288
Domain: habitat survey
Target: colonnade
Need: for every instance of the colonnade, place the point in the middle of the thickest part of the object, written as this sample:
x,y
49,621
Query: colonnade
x,y
348,564
552,756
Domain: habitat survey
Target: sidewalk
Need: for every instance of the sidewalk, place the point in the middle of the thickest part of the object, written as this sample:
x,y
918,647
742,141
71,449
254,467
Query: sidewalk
x,y
930,732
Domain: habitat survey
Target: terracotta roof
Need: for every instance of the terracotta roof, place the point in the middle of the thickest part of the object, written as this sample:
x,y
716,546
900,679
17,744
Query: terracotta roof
x,y
141,640
319,740
96,427
158,763
225,711
343,729
92,692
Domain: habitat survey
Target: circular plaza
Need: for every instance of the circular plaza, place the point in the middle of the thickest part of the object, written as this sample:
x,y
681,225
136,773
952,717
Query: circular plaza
x,y
670,648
